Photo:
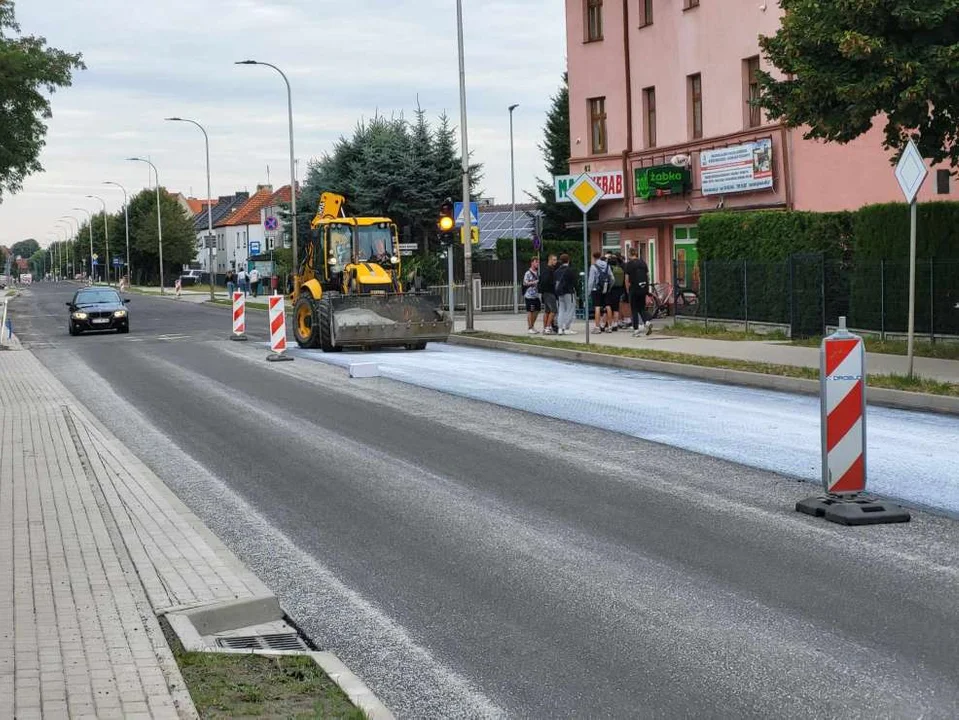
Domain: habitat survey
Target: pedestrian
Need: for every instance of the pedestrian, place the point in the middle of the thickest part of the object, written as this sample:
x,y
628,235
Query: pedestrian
x,y
230,282
255,281
600,283
242,281
615,298
565,290
531,295
637,285
547,291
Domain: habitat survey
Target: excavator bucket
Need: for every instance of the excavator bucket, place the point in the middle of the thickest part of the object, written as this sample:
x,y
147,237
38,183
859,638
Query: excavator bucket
x,y
394,319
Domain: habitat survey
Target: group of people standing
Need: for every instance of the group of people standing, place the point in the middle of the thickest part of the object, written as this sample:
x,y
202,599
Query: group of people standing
x,y
243,281
611,283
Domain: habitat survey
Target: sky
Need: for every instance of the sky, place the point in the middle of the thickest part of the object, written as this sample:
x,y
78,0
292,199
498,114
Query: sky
x,y
151,59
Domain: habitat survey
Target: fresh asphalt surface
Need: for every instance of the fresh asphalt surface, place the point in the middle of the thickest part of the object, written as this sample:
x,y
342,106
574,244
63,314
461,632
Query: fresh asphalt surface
x,y
470,560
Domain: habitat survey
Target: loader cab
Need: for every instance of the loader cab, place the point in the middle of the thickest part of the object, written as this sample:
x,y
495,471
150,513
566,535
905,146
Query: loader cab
x,y
356,254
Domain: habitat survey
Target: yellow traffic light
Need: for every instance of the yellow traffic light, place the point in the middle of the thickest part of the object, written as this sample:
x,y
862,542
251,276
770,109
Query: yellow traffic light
x,y
446,223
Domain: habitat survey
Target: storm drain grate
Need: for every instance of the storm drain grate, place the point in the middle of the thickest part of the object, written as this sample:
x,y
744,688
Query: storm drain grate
x,y
280,641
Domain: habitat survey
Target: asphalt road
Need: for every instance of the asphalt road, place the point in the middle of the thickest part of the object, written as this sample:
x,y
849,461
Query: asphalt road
x,y
470,560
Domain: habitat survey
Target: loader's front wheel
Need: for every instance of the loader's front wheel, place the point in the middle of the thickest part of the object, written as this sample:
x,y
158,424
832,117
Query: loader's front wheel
x,y
306,324
325,321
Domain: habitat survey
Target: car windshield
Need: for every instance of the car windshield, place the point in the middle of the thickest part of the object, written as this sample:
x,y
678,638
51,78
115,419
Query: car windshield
x,y
373,241
91,297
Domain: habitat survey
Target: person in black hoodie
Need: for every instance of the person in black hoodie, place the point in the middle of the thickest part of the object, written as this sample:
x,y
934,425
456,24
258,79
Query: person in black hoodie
x,y
565,295
547,290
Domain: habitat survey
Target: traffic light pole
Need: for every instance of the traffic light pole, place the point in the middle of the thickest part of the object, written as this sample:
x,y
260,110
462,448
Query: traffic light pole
x,y
452,292
464,150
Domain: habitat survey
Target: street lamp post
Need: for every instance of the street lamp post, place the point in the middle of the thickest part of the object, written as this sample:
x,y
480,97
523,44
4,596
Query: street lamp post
x,y
90,218
289,102
106,235
71,252
126,220
512,216
209,198
159,221
465,160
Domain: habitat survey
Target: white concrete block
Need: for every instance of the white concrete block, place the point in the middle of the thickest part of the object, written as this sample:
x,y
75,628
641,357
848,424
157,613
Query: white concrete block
x,y
364,370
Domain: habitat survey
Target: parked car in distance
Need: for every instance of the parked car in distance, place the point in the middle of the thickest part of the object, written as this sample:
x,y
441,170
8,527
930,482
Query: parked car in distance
x,y
191,277
97,308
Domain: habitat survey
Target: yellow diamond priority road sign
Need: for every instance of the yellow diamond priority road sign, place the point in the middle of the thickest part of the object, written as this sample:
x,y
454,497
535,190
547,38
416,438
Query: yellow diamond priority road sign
x,y
585,192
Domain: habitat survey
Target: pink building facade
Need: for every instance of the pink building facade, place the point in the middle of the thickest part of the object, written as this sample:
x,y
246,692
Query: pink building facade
x,y
659,93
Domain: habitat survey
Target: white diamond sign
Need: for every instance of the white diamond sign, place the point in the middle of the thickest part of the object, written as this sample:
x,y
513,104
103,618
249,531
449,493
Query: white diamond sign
x,y
911,172
585,192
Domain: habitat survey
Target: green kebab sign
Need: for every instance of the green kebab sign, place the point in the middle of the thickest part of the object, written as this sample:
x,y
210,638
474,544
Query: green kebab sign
x,y
660,180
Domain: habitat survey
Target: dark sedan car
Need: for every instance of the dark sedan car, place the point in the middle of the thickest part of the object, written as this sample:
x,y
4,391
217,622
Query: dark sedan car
x,y
98,309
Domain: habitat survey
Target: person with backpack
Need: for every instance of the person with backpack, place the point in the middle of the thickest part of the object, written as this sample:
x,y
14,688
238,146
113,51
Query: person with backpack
x,y
615,298
600,283
565,295
547,291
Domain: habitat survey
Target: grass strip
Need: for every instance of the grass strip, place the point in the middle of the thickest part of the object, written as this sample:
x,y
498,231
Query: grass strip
x,y
228,685
891,382
717,331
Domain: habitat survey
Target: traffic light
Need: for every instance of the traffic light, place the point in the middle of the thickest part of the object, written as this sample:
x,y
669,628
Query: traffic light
x,y
446,221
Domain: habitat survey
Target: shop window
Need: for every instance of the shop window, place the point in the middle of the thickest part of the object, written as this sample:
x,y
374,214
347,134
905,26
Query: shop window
x,y
612,242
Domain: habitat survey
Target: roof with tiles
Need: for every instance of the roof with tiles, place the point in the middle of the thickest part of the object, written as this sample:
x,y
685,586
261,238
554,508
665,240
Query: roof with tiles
x,y
249,212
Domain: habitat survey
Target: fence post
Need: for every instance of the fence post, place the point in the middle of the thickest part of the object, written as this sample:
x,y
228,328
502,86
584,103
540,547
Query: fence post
x,y
822,290
882,300
932,301
745,296
705,299
792,325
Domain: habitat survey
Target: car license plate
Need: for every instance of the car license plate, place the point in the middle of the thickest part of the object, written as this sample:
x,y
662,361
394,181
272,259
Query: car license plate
x,y
100,321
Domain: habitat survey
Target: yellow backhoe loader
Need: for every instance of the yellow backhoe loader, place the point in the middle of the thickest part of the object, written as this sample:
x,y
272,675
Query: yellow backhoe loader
x,y
347,287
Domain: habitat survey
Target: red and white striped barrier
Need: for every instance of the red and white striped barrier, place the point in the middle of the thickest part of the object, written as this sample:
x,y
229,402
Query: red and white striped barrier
x,y
843,403
277,329
239,316
277,324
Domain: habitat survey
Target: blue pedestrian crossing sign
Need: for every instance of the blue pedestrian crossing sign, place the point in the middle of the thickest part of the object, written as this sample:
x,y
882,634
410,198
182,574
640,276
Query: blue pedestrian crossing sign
x,y
116,262
458,213
95,262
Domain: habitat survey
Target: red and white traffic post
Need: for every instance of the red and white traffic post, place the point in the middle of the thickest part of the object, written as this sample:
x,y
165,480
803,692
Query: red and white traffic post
x,y
842,400
277,329
239,317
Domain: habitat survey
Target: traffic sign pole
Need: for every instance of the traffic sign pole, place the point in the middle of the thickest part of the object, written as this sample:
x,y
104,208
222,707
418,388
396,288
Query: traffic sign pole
x,y
912,286
911,172
585,193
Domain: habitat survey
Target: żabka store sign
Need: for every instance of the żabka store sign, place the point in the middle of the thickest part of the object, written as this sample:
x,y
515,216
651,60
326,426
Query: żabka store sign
x,y
611,182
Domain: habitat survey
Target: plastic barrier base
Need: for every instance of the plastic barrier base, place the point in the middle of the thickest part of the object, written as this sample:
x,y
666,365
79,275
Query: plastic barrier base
x,y
279,357
853,510
238,337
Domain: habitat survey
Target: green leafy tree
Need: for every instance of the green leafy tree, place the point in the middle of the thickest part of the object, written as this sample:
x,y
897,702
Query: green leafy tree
x,y
846,64
555,149
24,248
179,237
28,70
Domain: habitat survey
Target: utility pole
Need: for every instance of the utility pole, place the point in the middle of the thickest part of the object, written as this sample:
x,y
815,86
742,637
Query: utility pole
x,y
464,149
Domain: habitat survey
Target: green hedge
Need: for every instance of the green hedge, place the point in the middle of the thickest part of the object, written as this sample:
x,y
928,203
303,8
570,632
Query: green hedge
x,y
773,235
881,232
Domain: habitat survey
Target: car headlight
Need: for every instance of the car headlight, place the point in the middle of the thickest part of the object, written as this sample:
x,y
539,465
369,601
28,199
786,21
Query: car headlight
x,y
395,260
79,316
120,313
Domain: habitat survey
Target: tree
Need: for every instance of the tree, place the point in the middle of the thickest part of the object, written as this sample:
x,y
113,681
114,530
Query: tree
x,y
179,236
555,149
845,63
28,68
24,248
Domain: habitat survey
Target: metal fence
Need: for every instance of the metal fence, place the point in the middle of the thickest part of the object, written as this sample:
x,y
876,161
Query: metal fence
x,y
493,298
808,293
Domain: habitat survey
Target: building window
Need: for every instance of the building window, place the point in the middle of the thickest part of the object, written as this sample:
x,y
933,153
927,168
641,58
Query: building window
x,y
612,242
695,85
645,12
597,125
594,20
753,113
649,112
690,4
942,181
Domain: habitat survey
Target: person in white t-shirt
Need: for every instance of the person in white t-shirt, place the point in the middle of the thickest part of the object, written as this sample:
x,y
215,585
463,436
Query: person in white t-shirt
x,y
255,282
531,295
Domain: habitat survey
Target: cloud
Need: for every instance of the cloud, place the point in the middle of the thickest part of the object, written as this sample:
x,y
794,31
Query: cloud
x,y
148,60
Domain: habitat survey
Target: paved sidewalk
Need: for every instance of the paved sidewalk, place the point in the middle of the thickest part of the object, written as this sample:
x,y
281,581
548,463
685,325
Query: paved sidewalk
x,y
92,548
776,352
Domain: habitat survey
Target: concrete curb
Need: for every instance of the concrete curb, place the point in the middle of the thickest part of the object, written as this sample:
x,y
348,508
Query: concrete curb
x,y
876,396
